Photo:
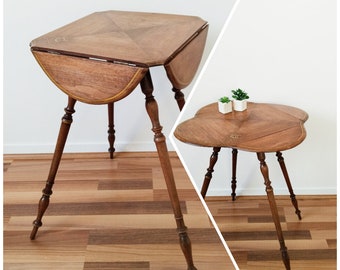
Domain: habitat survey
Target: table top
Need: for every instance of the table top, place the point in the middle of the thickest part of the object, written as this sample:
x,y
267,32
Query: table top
x,y
102,57
261,127
144,39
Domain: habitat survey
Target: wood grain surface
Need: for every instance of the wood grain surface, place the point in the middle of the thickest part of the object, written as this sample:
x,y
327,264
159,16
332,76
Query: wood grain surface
x,y
247,226
104,214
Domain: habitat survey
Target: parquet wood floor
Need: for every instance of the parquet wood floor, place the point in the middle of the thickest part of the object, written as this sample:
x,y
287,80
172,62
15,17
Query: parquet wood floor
x,y
104,214
248,229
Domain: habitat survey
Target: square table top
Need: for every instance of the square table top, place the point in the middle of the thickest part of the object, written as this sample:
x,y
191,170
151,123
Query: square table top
x,y
142,39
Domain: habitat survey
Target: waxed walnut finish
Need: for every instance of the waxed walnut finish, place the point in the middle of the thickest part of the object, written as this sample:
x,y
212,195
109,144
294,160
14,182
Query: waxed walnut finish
x,y
261,128
101,58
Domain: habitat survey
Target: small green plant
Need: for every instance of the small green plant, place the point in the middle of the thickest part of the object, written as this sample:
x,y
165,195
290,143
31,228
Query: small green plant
x,y
239,94
224,99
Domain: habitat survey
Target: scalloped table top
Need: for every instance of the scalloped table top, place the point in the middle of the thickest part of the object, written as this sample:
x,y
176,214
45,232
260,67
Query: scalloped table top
x,y
260,128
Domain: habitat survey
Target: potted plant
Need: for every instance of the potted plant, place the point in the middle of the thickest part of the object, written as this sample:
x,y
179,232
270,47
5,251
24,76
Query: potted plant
x,y
240,102
225,105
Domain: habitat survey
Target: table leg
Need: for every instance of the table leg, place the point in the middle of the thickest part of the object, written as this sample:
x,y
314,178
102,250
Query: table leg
x,y
160,142
289,185
270,194
210,170
233,176
47,191
111,131
179,96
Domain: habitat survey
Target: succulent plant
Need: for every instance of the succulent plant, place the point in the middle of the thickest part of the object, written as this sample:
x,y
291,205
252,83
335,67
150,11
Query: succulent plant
x,y
239,94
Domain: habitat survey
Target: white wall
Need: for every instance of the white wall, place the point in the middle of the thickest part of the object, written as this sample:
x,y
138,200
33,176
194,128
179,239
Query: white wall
x,y
279,52
33,106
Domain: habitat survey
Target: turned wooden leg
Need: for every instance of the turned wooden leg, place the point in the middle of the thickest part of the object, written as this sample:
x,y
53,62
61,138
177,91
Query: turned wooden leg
x,y
179,96
111,131
47,191
270,194
233,176
210,170
289,185
160,142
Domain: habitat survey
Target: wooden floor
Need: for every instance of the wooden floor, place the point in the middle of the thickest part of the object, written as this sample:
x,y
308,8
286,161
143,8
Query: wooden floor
x,y
115,214
248,229
104,214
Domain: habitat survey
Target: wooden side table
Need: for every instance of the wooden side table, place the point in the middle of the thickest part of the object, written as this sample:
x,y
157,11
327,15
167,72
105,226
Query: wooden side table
x,y
261,128
101,58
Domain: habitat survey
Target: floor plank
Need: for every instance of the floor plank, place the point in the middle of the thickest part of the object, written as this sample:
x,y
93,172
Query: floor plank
x,y
104,214
115,214
248,229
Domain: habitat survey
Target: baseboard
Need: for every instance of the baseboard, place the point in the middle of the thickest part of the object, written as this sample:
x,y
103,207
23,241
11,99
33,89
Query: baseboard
x,y
81,147
278,191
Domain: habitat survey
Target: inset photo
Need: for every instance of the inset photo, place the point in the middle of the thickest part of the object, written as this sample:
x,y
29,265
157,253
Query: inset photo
x,y
257,141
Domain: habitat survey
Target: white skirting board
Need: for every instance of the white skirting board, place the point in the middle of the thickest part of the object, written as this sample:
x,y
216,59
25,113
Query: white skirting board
x,y
81,147
278,191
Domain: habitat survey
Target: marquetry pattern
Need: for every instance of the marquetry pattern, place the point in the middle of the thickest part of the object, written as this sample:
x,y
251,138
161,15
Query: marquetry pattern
x,y
247,226
104,214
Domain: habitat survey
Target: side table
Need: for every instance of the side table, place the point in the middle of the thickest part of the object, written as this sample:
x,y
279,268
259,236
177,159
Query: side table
x,y
262,128
101,58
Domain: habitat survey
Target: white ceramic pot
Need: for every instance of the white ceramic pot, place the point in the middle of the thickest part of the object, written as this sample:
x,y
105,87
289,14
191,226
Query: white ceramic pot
x,y
240,105
225,107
